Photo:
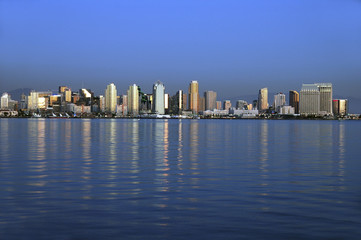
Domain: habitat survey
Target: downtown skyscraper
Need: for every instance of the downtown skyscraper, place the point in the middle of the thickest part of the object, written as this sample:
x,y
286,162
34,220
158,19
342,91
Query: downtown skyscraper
x,y
193,97
263,99
158,98
294,99
133,100
210,100
111,98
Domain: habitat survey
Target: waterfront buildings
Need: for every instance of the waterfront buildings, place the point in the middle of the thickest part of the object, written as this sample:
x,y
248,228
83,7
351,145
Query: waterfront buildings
x,y
159,98
286,110
227,105
38,100
294,99
193,97
279,101
316,99
5,101
166,102
340,107
263,99
133,100
241,104
202,104
65,93
111,98
309,99
210,100
325,97
219,105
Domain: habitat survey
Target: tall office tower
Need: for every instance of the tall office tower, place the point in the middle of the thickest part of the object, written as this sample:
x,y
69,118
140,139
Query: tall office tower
x,y
294,100
202,104
158,97
185,101
241,104
210,100
309,99
340,107
86,97
193,96
325,97
279,101
227,104
166,102
179,102
23,100
66,93
133,100
219,105
5,98
263,99
111,98
101,103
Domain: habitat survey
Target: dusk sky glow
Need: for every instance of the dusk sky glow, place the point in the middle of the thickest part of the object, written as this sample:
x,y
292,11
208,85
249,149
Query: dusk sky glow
x,y
231,47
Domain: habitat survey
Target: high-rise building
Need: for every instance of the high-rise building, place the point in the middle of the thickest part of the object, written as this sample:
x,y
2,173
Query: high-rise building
x,y
185,101
86,97
66,93
294,100
309,99
279,101
38,100
263,99
133,100
5,98
111,98
101,103
158,98
227,105
202,104
180,103
241,104
166,102
193,96
219,105
340,107
325,97
210,100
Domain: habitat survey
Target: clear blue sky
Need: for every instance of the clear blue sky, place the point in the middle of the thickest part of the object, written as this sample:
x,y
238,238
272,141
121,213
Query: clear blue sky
x,y
233,47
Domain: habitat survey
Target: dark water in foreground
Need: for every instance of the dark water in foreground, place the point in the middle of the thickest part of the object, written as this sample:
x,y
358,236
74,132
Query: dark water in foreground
x,y
171,179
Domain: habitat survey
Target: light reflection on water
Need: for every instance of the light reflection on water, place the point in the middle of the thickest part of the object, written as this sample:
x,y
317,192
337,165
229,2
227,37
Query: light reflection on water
x,y
179,178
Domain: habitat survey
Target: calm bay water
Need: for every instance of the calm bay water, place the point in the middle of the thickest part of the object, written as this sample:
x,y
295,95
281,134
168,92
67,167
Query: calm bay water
x,y
179,179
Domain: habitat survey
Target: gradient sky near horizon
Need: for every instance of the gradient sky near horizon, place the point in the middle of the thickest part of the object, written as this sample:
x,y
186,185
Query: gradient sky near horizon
x,y
233,47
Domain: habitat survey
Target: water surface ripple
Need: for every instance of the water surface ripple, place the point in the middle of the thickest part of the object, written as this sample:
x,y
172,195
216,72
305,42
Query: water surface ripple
x,y
179,179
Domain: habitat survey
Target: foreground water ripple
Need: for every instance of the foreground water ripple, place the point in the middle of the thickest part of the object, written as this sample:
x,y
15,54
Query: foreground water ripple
x,y
179,179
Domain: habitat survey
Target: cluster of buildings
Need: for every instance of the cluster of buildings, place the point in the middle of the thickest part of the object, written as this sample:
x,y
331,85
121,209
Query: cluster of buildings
x,y
313,100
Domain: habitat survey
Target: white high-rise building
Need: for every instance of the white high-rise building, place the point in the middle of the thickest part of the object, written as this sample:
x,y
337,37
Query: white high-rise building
x,y
158,98
111,98
279,101
309,99
5,98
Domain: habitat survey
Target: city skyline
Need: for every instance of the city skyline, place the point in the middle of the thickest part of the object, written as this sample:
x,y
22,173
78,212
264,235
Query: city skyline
x,y
233,48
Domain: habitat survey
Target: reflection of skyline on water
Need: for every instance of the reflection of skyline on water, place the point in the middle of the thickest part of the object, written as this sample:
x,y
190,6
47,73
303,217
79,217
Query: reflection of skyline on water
x,y
146,171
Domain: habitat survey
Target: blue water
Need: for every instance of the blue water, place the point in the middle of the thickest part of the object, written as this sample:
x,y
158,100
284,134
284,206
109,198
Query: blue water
x,y
179,179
